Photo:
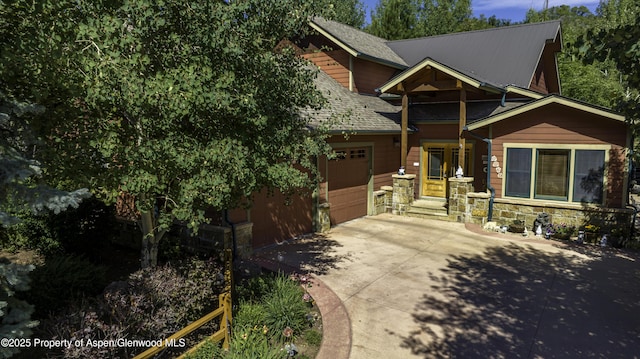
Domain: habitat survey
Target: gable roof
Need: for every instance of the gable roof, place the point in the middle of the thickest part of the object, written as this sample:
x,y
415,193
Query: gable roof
x,y
428,62
544,101
358,43
349,111
502,56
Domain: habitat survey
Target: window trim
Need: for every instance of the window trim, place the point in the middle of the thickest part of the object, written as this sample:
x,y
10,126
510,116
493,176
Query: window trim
x,y
567,182
572,156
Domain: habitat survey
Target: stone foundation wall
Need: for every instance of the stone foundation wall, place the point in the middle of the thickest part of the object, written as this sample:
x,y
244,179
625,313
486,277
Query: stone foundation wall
x,y
478,207
505,212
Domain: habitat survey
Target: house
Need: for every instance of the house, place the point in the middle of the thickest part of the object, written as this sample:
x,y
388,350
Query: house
x,y
487,103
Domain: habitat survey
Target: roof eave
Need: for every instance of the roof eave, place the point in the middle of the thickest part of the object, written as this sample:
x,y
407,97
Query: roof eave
x,y
353,52
543,102
524,92
440,67
334,39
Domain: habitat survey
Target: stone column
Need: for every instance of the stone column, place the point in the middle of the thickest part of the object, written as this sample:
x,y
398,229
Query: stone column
x,y
244,236
458,200
323,221
402,193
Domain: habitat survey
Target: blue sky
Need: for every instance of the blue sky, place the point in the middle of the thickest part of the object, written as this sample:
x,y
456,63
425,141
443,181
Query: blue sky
x,y
506,9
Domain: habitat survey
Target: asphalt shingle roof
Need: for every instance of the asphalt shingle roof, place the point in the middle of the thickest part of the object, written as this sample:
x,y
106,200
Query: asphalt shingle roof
x,y
348,111
360,41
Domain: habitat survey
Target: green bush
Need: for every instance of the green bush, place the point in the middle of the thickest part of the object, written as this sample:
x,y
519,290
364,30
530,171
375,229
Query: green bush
x,y
250,314
251,342
61,280
208,350
285,307
254,289
268,305
72,231
152,303
31,233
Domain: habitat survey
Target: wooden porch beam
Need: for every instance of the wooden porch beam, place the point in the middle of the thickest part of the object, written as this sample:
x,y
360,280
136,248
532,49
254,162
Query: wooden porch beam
x,y
404,129
463,123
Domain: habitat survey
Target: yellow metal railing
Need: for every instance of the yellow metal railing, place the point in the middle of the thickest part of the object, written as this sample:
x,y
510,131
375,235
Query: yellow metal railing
x,y
223,311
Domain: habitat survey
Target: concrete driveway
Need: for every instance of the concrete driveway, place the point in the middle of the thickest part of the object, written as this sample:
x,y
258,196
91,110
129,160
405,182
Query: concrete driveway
x,y
415,288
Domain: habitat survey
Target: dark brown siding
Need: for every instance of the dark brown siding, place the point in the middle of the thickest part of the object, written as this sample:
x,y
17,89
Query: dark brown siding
x,y
545,79
333,63
276,218
556,124
538,82
368,76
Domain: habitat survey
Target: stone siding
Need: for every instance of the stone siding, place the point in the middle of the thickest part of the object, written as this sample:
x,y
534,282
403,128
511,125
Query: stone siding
x,y
244,235
403,189
324,218
459,189
505,212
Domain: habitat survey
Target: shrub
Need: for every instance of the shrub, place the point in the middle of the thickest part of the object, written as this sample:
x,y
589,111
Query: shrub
x,y
251,342
208,350
61,280
87,321
15,314
151,304
159,301
250,314
74,230
285,307
254,289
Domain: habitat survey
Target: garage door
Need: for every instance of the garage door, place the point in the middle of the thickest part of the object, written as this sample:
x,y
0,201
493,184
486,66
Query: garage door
x,y
348,184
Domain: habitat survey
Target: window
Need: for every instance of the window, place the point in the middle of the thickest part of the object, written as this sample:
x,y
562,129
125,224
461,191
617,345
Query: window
x,y
518,172
359,153
563,174
552,174
588,176
340,155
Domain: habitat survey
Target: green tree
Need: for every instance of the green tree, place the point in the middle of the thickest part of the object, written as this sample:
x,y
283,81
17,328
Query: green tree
x,y
15,314
438,17
483,22
617,40
21,188
349,12
596,83
184,105
394,19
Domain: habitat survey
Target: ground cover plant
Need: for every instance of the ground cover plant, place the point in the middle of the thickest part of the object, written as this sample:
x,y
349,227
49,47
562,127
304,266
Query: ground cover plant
x,y
276,318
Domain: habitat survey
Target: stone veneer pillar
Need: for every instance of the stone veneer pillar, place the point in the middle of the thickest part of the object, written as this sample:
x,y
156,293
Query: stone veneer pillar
x,y
459,188
402,193
323,222
244,236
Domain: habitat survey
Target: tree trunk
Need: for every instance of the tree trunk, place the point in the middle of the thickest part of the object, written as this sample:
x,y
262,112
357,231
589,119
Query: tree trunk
x,y
150,239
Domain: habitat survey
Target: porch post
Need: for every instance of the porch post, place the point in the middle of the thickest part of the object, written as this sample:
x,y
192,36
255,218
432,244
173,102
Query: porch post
x,y
463,123
404,126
